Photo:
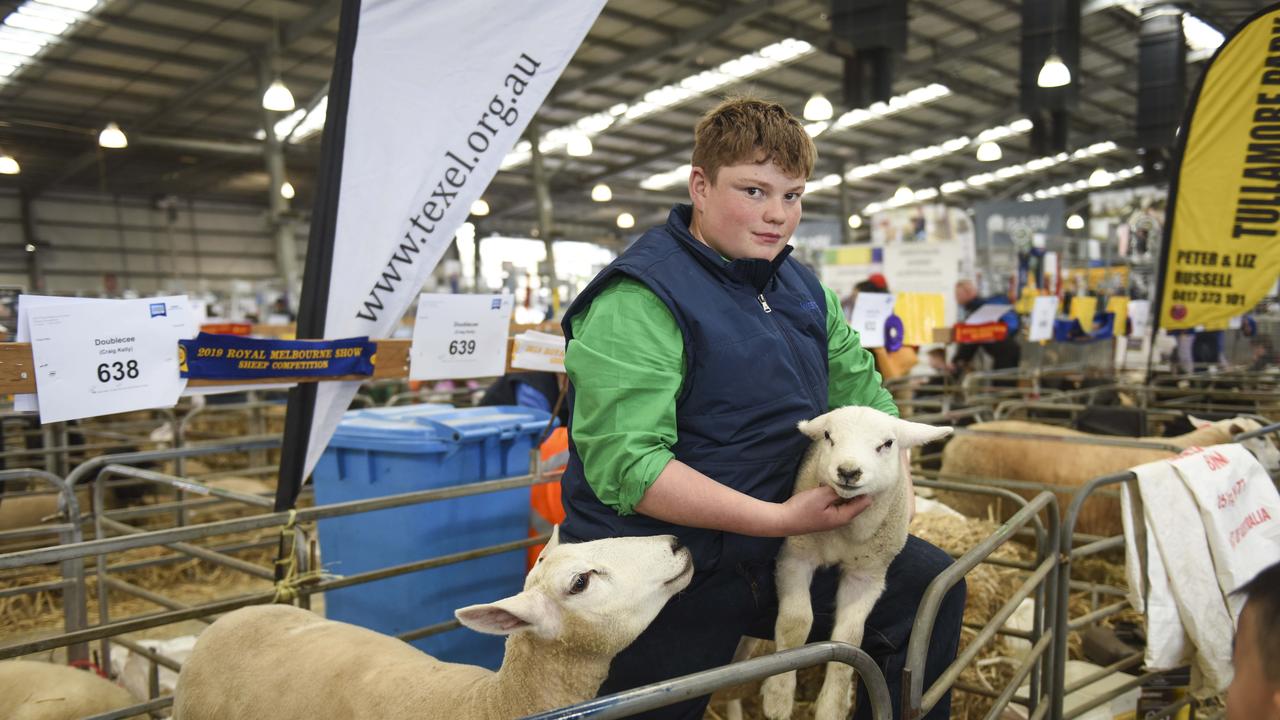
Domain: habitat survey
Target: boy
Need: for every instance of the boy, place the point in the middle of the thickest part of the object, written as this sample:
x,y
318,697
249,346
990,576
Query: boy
x,y
1254,693
692,357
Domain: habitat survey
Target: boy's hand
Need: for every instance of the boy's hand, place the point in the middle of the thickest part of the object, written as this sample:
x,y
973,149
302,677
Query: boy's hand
x,y
818,509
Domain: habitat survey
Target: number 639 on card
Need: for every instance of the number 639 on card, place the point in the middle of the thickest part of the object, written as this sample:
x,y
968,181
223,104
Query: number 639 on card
x,y
459,336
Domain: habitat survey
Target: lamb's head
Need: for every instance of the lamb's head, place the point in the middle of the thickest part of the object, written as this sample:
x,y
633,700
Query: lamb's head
x,y
599,595
858,450
1262,447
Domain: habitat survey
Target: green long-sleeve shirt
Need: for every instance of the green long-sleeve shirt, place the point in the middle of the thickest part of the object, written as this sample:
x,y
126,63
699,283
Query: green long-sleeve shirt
x,y
626,361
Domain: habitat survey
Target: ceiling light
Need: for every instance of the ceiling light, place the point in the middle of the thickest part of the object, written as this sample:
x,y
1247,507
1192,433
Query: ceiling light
x,y
855,221
112,137
818,108
626,221
1100,178
1201,37
277,97
1053,73
31,248
579,145
9,166
1075,222
480,208
287,191
601,193
903,194
989,151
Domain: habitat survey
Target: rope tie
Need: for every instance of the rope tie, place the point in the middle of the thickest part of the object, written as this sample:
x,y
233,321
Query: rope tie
x,y
290,579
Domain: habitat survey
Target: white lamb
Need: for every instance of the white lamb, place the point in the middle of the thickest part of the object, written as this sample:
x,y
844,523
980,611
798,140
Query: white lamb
x,y
581,605
857,451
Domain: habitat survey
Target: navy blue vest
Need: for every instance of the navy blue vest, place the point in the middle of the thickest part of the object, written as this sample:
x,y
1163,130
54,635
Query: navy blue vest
x,y
755,340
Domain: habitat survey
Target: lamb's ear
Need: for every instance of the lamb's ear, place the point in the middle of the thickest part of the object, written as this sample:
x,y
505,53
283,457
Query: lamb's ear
x,y
528,610
551,544
913,434
1197,423
813,428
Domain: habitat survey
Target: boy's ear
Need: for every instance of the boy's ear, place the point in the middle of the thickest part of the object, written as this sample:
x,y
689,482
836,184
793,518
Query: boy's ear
x,y
699,184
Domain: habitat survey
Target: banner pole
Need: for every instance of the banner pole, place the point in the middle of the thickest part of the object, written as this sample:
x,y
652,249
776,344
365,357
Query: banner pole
x,y
314,299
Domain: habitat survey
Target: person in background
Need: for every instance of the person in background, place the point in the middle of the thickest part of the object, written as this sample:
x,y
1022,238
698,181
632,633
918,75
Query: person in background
x,y
1264,354
1254,693
692,357
893,364
537,390
1005,353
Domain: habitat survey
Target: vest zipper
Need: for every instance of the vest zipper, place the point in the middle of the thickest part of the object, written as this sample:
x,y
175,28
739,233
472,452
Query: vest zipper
x,y
795,355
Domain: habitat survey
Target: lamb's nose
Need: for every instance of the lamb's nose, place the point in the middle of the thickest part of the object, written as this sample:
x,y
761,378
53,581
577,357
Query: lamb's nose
x,y
849,475
675,545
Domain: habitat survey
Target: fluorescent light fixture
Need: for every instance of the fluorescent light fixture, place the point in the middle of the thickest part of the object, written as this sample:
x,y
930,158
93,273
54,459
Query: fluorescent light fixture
x,y
855,221
922,155
579,145
905,195
1201,38
664,180
1053,73
9,166
286,190
480,208
626,221
668,96
35,26
989,151
912,99
601,193
1077,185
818,108
31,248
1075,222
277,97
112,137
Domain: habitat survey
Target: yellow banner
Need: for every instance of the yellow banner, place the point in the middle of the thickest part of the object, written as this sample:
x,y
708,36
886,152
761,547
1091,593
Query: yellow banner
x,y
1224,251
1084,308
1119,305
920,313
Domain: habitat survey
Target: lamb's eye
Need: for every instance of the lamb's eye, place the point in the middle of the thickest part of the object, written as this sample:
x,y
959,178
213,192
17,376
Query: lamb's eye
x,y
885,446
827,434
580,582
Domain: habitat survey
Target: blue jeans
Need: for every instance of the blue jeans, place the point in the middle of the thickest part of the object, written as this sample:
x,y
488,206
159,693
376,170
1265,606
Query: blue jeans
x,y
700,628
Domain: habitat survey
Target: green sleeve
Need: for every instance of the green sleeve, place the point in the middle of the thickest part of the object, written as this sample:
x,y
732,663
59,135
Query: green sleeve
x,y
626,361
851,369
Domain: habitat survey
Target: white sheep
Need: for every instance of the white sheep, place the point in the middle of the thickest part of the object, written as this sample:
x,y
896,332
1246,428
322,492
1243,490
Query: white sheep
x,y
45,691
857,451
581,604
974,456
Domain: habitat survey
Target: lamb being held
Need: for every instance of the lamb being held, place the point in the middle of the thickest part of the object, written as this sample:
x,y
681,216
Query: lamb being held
x,y
581,604
857,451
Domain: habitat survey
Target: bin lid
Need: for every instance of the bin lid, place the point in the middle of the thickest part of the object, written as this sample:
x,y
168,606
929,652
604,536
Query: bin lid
x,y
371,432
434,427
472,422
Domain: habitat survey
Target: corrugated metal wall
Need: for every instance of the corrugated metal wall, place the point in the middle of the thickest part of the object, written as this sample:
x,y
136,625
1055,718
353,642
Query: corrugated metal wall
x,y
87,242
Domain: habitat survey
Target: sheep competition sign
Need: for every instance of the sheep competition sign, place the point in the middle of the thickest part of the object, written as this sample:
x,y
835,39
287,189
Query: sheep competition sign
x,y
1223,249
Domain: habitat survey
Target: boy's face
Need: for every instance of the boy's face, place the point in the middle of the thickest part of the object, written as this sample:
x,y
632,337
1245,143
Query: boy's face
x,y
1251,696
750,211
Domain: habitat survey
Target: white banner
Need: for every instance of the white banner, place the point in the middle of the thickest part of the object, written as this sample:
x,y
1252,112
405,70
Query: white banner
x,y
440,91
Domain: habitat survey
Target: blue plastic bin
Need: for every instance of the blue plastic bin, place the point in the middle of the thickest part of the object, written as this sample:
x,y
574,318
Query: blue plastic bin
x,y
387,451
